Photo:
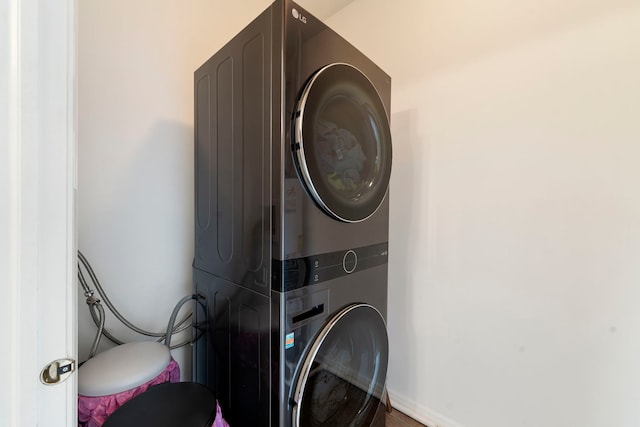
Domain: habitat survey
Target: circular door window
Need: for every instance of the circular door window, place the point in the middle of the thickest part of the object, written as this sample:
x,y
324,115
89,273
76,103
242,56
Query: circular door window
x,y
342,142
342,377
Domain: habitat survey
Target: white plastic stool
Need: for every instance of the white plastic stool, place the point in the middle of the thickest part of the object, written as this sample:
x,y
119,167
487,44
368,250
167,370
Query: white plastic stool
x,y
112,377
122,368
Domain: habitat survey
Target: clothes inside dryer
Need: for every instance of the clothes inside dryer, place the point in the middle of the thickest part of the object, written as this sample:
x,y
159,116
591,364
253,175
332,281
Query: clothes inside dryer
x,y
341,157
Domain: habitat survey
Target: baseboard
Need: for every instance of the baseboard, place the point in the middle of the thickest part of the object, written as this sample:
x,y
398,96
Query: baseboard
x,y
419,412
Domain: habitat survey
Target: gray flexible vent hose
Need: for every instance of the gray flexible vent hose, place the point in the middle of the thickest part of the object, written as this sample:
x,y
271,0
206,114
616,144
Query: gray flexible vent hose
x,y
174,314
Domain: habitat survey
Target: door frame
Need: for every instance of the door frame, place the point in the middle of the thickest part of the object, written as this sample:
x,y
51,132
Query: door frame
x,y
38,296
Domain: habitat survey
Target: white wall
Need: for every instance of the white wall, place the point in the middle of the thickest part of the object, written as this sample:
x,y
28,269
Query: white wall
x,y
515,234
135,118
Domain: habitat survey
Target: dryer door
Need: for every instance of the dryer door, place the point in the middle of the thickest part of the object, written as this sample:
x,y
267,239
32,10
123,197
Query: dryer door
x,y
342,377
342,142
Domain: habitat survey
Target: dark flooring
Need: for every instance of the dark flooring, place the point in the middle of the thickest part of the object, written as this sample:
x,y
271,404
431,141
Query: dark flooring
x,y
396,418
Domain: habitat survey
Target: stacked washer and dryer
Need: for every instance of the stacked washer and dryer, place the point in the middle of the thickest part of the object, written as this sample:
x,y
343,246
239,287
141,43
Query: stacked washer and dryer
x,y
293,158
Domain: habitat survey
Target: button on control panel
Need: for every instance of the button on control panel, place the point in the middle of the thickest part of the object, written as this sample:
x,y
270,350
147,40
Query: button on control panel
x,y
350,261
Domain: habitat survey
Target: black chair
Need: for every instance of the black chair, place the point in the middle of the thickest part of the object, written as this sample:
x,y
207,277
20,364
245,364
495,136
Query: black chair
x,y
184,404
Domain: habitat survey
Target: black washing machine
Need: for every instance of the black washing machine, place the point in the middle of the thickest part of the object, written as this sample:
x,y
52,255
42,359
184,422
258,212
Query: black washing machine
x,y
293,158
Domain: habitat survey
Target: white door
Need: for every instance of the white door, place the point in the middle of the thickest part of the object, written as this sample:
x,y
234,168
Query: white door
x,y
37,209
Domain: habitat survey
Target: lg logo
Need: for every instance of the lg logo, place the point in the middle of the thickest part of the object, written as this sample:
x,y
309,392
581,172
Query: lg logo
x,y
298,15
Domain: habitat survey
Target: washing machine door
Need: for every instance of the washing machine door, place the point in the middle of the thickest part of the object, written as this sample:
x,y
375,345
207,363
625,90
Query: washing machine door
x,y
342,377
342,142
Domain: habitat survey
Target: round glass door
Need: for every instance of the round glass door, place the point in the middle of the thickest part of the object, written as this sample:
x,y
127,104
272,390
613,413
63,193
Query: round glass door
x,y
342,142
342,378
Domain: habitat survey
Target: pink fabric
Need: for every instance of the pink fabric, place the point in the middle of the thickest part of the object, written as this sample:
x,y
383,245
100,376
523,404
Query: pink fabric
x,y
219,421
94,411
